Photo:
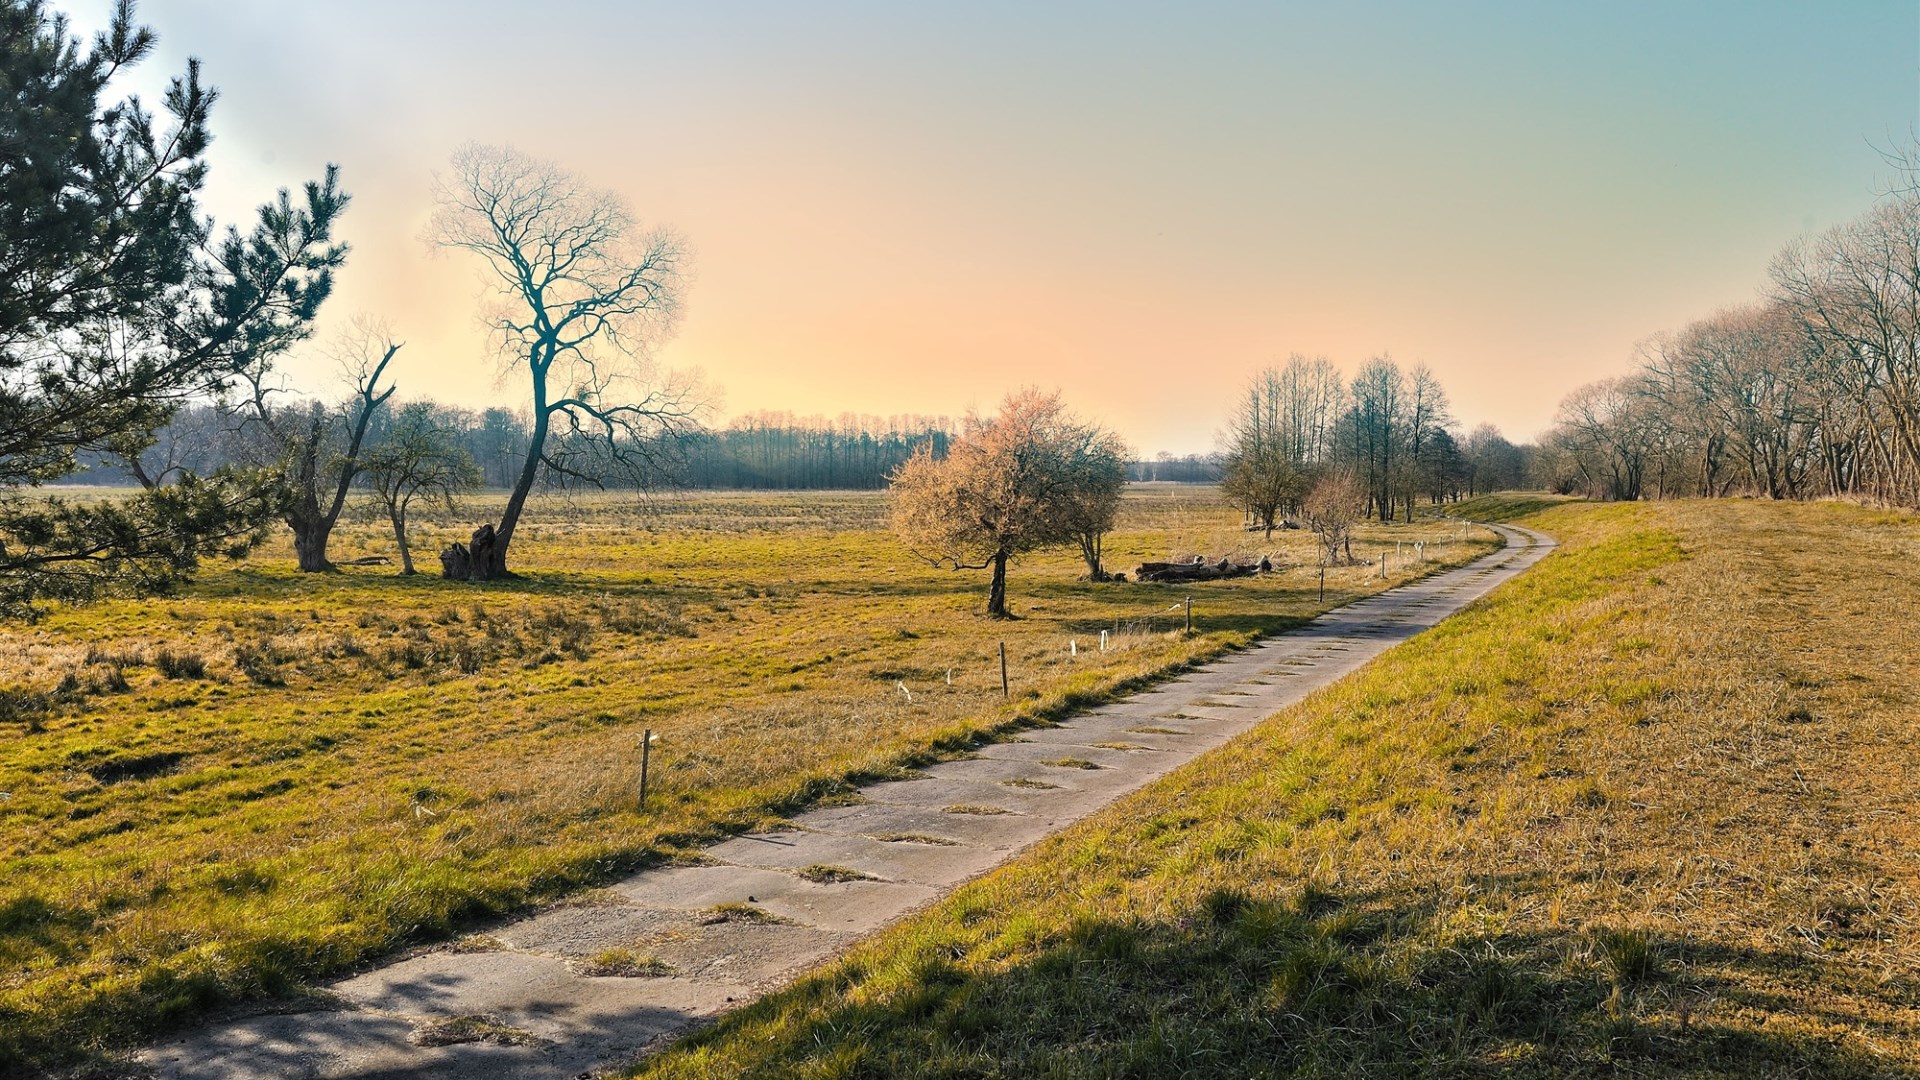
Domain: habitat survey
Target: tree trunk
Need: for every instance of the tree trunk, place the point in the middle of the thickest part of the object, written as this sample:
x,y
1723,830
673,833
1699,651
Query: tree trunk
x,y
310,546
997,592
495,563
400,538
1090,544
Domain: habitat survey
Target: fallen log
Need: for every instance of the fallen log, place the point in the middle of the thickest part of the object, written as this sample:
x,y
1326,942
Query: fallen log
x,y
1200,570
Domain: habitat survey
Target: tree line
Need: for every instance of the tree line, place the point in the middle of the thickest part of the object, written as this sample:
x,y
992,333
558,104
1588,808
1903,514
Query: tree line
x,y
1387,434
763,451
1812,390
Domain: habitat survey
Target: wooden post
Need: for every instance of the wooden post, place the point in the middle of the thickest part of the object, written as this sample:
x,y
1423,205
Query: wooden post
x,y
1383,566
1189,614
1003,670
646,755
1323,583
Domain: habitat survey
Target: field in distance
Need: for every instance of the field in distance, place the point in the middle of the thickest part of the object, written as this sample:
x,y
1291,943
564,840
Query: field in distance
x,y
223,795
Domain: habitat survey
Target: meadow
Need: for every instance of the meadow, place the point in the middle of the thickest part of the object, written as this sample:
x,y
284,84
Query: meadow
x,y
1647,810
222,797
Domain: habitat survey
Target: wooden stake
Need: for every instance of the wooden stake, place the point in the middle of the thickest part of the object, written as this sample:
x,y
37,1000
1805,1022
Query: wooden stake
x,y
1003,670
646,755
1189,614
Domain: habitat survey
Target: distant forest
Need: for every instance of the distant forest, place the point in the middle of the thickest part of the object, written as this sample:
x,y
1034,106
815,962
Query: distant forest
x,y
758,452
763,451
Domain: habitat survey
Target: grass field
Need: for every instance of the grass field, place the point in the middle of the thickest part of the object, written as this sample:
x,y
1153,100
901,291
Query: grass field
x,y
1649,810
225,795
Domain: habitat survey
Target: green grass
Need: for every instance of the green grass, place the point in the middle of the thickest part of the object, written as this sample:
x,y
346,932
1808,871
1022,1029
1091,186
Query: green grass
x,y
1647,810
230,794
626,963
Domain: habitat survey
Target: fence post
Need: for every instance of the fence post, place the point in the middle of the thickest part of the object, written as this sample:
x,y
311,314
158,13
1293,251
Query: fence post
x,y
1323,582
1189,614
646,755
1003,670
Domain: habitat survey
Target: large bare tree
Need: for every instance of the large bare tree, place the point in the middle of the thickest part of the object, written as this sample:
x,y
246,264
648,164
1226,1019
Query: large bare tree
x,y
580,292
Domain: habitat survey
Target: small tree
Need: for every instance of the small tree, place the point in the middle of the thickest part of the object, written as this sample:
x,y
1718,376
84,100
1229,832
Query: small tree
x,y
1331,510
1264,483
421,457
1032,477
318,450
1096,463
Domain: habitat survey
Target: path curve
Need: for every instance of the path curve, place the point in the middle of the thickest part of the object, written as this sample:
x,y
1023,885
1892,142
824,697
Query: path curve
x,y
911,842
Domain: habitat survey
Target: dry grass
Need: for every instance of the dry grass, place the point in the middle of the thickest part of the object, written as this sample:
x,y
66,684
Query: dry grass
x,y
274,776
1649,810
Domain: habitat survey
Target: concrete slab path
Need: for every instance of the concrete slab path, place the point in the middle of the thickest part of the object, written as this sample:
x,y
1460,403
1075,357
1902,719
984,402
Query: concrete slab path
x,y
526,1006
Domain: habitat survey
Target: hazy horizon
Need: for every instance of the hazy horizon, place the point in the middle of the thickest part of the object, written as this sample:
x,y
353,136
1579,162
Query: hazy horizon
x,y
908,210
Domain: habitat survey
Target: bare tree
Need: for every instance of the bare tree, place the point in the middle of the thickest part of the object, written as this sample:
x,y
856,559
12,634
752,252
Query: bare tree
x,y
1608,436
1095,461
1377,419
1260,472
1856,290
581,293
1013,483
421,457
1282,430
1428,418
316,448
1493,463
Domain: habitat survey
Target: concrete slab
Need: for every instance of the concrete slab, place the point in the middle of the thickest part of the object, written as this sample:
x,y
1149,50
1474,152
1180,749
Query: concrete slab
x,y
922,864
1167,739
844,907
1001,832
1056,804
538,994
1041,753
585,931
1057,771
743,953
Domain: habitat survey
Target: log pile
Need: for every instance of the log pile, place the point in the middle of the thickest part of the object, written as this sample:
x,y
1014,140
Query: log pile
x,y
1201,570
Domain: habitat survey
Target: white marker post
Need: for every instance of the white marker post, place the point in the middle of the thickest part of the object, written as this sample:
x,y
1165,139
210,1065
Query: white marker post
x,y
646,755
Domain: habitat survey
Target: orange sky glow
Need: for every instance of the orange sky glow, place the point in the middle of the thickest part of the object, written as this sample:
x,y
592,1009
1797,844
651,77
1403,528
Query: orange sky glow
x,y
915,208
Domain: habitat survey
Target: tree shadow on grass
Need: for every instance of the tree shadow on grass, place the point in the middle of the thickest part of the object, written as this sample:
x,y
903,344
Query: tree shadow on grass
x,y
1316,985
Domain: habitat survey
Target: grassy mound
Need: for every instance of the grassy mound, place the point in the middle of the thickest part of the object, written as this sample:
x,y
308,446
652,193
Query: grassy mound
x,y
1648,809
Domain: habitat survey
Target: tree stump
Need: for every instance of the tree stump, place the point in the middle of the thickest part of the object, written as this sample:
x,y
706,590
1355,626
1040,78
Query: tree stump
x,y
472,561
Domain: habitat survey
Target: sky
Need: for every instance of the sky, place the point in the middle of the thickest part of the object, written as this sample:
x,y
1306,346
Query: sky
x,y
916,207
